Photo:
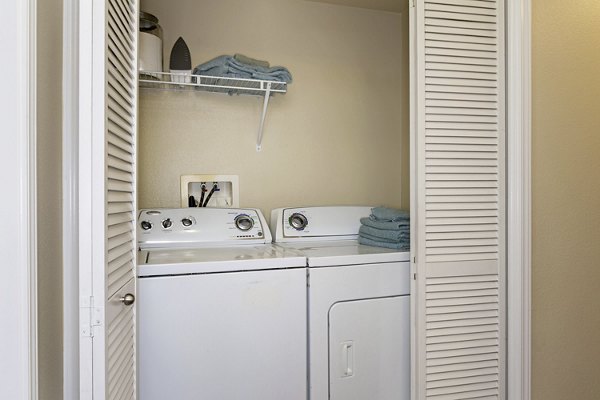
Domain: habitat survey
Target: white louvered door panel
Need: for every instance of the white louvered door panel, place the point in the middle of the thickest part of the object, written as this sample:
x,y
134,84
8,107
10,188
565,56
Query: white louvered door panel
x,y
458,105
120,130
109,173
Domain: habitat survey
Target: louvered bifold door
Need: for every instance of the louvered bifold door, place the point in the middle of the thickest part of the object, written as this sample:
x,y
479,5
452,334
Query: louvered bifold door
x,y
458,56
114,92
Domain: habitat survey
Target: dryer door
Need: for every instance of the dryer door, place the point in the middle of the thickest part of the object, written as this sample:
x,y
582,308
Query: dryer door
x,y
369,349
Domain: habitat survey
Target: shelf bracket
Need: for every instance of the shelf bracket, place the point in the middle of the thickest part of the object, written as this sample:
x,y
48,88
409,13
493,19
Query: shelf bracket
x,y
261,127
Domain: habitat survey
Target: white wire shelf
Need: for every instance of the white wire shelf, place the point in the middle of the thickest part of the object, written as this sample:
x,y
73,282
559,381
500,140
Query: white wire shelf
x,y
169,81
231,86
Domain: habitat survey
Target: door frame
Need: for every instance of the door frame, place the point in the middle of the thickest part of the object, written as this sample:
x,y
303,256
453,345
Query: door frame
x,y
518,52
518,200
70,166
18,286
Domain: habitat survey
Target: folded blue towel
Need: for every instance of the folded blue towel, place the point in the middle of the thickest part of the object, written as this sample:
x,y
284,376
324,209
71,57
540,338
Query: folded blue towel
x,y
388,214
383,240
251,61
382,234
230,67
386,225
220,67
403,246
217,62
258,72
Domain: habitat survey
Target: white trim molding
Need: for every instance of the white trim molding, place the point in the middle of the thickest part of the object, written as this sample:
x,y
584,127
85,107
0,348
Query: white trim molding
x,y
18,286
70,178
519,199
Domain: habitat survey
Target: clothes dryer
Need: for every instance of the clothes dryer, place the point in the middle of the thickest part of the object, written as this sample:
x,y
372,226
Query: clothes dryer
x,y
358,305
221,311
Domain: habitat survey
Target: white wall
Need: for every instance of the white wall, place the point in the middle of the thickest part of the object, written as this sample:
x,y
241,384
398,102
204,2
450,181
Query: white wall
x,y
335,138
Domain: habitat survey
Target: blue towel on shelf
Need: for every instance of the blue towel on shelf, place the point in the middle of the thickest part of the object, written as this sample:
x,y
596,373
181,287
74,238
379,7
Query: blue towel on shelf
x,y
258,72
383,235
251,61
217,63
386,225
219,67
230,67
403,246
389,214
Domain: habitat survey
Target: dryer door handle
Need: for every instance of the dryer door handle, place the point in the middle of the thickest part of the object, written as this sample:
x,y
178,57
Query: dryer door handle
x,y
347,359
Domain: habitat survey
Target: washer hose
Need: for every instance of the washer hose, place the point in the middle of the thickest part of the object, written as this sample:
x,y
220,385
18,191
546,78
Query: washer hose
x,y
215,187
203,190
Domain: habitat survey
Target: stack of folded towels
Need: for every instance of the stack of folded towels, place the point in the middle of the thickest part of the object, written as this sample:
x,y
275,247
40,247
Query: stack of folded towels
x,y
386,227
240,66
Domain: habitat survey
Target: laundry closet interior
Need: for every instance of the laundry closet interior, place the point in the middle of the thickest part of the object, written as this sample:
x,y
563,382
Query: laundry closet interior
x,y
339,136
383,109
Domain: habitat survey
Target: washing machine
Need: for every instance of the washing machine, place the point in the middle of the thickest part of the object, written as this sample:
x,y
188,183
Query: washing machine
x,y
221,311
358,305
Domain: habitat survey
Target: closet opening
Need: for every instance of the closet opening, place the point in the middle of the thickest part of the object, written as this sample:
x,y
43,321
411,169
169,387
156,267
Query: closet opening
x,y
337,135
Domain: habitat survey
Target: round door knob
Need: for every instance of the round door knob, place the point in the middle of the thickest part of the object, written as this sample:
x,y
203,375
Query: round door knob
x,y
186,222
128,299
167,223
146,225
298,221
244,222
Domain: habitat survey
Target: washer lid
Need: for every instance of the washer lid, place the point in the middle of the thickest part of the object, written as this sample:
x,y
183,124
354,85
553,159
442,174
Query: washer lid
x,y
344,252
222,259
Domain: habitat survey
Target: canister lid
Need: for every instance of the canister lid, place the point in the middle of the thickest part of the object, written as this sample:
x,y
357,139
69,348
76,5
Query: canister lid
x,y
147,21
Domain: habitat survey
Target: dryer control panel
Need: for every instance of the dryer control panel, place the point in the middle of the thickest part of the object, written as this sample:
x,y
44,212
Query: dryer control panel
x,y
317,223
201,227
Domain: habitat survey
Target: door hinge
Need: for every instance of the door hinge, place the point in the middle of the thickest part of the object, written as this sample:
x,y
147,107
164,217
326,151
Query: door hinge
x,y
90,316
415,276
412,3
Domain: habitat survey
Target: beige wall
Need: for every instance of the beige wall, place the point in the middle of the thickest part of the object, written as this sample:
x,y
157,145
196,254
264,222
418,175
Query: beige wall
x,y
49,192
566,200
566,155
335,138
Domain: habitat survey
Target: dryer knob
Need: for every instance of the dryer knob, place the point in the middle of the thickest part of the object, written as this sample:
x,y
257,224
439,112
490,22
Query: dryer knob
x,y
146,225
243,222
167,223
298,221
186,222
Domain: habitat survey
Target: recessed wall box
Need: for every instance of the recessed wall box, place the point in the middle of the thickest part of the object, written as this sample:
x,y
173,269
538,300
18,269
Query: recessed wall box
x,y
226,193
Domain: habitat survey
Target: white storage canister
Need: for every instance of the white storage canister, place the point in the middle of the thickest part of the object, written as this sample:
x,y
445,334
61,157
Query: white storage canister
x,y
151,39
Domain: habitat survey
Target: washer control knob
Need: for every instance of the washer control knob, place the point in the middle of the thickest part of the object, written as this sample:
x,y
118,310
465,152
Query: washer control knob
x,y
167,223
186,222
298,221
243,222
146,225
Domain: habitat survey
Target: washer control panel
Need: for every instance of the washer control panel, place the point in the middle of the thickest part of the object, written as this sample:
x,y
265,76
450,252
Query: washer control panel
x,y
201,227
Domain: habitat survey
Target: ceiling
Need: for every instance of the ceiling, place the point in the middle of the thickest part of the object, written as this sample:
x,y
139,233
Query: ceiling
x,y
382,5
